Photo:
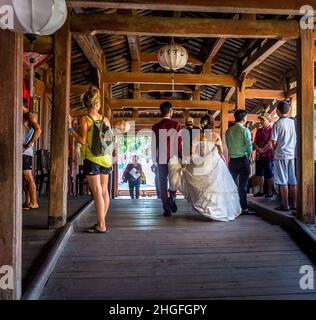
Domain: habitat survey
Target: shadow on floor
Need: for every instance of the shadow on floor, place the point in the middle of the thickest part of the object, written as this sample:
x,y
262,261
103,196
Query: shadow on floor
x,y
37,238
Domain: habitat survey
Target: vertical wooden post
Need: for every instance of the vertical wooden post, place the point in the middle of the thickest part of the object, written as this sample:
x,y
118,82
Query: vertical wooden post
x,y
197,93
241,96
224,126
11,101
102,86
59,146
102,89
107,101
136,68
305,116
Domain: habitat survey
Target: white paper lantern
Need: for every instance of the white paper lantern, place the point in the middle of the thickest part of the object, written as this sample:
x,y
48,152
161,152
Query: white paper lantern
x,y
40,17
172,57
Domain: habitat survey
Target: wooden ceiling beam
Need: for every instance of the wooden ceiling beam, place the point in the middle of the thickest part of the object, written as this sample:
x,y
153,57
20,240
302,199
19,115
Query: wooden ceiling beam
x,y
212,54
284,7
133,40
134,47
213,51
226,96
265,94
177,104
165,88
264,52
166,78
184,27
91,49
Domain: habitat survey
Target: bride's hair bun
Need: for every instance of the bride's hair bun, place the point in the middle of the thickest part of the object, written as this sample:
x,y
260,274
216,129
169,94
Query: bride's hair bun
x,y
210,121
90,97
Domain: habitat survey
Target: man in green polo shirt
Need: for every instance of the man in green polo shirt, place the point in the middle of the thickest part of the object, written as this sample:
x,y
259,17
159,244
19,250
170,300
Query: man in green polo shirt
x,y
239,145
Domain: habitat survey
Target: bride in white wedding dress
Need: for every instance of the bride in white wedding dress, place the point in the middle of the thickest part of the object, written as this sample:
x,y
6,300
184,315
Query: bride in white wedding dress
x,y
206,182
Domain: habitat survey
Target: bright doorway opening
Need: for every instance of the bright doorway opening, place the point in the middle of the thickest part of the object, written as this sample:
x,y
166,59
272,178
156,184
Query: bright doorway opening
x,y
140,146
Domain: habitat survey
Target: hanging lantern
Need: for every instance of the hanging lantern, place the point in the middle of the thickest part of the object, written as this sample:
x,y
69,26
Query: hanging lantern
x,y
172,57
39,17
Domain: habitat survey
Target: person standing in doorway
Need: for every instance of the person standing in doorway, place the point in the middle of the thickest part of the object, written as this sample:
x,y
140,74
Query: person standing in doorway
x,y
132,174
32,132
96,130
284,145
239,144
264,155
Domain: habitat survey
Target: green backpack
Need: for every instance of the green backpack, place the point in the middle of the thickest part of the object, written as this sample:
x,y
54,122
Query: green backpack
x,y
102,139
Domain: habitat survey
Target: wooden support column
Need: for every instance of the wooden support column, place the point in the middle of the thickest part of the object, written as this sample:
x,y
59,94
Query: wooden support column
x,y
305,115
197,93
59,147
107,103
241,96
224,127
136,68
102,87
11,87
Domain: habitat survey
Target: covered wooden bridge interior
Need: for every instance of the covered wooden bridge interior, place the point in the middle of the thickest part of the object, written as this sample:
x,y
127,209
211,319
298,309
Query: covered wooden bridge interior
x,y
248,57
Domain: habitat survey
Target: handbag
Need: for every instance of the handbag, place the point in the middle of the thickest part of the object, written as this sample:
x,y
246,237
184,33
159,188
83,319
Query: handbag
x,y
142,178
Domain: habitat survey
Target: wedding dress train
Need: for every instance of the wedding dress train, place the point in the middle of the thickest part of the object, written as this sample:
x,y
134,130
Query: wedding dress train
x,y
207,184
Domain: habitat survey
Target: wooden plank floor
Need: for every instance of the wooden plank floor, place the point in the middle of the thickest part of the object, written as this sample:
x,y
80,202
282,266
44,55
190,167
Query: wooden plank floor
x,y
148,256
36,235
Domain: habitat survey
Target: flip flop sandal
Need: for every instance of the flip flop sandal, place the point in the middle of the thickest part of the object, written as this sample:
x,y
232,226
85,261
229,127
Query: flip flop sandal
x,y
94,229
282,209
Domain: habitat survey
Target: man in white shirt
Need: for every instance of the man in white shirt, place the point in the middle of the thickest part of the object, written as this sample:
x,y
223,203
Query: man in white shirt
x,y
284,145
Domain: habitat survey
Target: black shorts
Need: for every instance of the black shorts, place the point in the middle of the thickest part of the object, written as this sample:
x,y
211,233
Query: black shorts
x,y
27,162
264,168
93,169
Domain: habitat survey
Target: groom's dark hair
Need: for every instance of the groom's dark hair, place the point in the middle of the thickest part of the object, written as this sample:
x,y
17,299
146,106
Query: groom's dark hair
x,y
165,107
240,115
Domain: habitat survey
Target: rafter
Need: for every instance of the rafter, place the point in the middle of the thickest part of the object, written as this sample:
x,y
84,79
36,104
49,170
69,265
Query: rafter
x,y
226,96
184,27
264,52
214,50
91,49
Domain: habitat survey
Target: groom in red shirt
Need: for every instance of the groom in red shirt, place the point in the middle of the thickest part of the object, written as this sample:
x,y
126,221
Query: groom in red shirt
x,y
166,144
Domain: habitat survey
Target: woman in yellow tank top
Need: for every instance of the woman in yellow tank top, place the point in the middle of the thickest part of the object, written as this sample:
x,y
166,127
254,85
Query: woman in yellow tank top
x,y
96,168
